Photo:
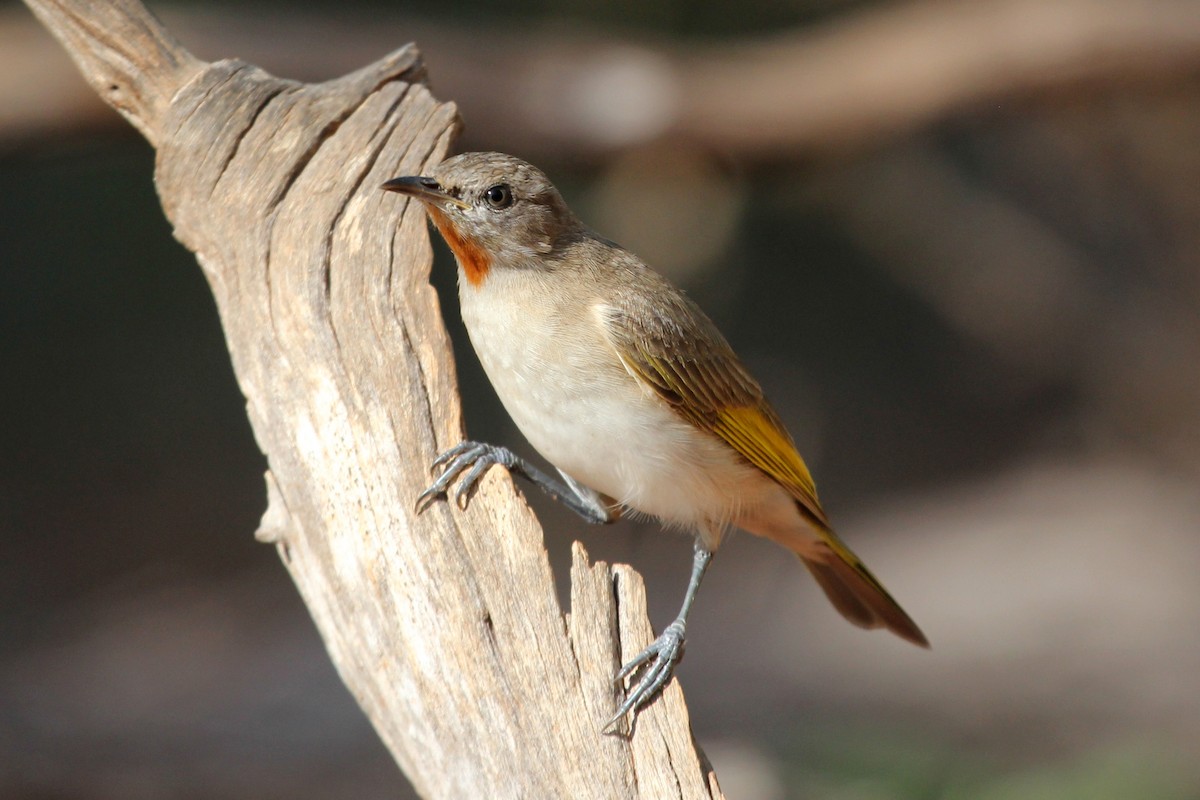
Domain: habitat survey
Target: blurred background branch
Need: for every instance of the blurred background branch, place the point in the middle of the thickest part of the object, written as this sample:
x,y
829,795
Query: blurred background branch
x,y
554,91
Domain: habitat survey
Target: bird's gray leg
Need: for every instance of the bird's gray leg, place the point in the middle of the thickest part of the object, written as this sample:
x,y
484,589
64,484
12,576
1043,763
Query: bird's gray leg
x,y
604,508
478,456
666,651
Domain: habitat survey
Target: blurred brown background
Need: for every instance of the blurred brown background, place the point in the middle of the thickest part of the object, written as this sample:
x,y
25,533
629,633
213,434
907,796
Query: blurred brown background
x,y
958,242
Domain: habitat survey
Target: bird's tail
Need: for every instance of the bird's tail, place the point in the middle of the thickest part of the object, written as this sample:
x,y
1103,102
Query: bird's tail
x,y
854,591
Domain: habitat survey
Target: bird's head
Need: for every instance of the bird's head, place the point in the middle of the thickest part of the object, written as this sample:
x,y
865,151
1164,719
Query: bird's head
x,y
493,210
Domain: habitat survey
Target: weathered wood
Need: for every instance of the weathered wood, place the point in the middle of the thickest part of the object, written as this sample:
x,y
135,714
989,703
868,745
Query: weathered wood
x,y
444,625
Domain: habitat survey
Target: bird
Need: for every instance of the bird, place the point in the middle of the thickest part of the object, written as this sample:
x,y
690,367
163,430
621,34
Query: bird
x,y
626,387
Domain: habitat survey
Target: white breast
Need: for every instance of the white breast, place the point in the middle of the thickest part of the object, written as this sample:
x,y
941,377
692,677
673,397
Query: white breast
x,y
567,391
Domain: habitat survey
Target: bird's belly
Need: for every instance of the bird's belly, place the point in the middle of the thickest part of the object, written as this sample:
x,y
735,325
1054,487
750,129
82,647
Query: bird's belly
x,y
634,449
603,429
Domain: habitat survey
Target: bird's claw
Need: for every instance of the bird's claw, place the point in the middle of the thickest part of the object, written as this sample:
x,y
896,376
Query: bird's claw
x,y
476,455
662,655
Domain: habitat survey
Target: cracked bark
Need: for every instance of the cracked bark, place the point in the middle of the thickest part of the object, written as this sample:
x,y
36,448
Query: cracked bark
x,y
445,625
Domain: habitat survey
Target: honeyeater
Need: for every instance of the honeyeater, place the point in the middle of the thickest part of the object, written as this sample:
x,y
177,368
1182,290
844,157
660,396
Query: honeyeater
x,y
625,386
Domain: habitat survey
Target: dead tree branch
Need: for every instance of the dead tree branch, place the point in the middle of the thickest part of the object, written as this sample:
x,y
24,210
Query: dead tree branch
x,y
444,625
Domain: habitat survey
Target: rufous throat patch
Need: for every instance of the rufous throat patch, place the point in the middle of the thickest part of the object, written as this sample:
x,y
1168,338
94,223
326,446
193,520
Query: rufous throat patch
x,y
471,257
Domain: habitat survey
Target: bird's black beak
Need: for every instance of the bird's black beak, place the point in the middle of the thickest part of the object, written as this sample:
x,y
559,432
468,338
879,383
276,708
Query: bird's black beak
x,y
424,189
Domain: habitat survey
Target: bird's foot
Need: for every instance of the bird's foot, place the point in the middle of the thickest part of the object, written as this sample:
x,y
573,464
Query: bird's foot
x,y
659,659
476,455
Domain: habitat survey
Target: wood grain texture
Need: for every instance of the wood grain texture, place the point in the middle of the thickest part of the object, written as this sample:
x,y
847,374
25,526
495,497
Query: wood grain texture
x,y
444,625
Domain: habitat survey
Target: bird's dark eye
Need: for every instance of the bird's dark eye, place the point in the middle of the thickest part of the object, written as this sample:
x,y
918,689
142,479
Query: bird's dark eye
x,y
499,196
